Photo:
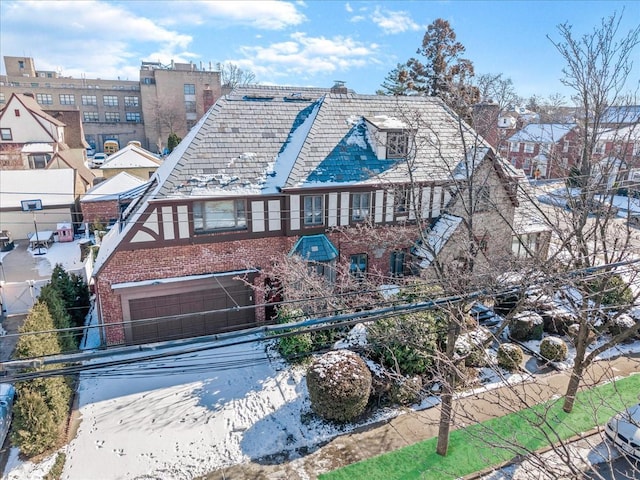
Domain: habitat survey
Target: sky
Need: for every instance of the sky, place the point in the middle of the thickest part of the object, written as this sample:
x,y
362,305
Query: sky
x,y
301,43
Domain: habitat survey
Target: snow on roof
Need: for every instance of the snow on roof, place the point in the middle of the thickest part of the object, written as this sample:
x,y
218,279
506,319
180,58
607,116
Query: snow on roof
x,y
385,122
112,188
542,132
55,187
37,148
436,238
131,156
623,134
464,170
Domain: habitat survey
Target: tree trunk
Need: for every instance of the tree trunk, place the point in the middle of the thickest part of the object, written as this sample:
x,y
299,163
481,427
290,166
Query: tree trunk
x,y
446,405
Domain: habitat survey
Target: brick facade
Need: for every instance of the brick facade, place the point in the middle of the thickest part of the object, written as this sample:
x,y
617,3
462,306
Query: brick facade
x,y
100,212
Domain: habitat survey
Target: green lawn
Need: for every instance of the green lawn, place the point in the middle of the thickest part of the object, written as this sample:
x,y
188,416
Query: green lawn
x,y
470,449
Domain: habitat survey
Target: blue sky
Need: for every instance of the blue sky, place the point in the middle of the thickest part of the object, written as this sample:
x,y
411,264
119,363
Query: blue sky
x,y
303,43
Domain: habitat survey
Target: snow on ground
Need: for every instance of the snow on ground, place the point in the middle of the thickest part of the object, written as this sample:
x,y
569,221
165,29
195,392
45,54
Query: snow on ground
x,y
65,253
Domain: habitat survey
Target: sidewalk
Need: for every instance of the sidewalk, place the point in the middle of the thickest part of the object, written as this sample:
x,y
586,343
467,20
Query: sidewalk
x,y
415,426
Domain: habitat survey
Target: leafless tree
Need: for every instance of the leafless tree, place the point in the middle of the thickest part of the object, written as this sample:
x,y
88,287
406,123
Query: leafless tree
x,y
233,76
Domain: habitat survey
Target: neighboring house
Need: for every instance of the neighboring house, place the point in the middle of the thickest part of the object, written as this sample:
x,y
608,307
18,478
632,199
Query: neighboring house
x,y
133,160
543,150
56,190
104,202
31,138
617,156
275,171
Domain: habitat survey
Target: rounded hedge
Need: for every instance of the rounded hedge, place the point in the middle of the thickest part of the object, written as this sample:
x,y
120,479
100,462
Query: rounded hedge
x,y
620,324
526,325
339,384
510,356
554,349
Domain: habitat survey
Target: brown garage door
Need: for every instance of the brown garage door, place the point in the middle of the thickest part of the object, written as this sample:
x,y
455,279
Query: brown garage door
x,y
191,314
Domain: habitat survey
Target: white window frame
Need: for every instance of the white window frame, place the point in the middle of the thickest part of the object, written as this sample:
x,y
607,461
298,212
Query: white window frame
x,y
360,212
219,215
313,210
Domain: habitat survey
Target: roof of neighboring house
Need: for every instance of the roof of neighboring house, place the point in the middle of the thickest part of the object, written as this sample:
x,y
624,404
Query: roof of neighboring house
x,y
112,188
37,148
33,106
527,217
261,139
76,163
436,238
628,133
542,132
131,156
54,187
621,114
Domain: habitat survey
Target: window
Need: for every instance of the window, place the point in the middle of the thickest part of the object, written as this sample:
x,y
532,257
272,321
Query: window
x,y
2,99
514,147
219,215
528,147
564,162
483,198
110,100
600,147
565,146
90,117
360,203
5,134
636,149
514,161
67,99
133,117
526,245
397,264
402,200
324,269
21,64
189,89
89,100
39,160
397,143
190,124
44,98
131,102
189,106
16,112
112,116
313,210
358,265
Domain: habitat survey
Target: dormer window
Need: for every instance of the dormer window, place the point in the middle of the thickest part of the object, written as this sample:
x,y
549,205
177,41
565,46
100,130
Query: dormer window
x,y
397,144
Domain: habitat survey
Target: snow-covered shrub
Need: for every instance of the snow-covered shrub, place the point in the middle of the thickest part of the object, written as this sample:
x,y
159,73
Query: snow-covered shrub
x,y
406,391
620,324
471,345
557,321
614,290
526,325
406,344
339,384
573,331
510,356
554,349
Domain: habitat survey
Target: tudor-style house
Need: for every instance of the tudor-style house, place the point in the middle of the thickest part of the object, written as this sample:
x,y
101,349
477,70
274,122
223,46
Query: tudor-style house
x,y
276,171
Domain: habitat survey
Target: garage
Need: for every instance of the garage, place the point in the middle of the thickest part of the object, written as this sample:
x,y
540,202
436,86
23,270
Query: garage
x,y
170,310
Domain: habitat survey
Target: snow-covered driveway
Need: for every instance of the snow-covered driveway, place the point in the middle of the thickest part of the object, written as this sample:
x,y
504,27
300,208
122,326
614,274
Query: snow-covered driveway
x,y
184,416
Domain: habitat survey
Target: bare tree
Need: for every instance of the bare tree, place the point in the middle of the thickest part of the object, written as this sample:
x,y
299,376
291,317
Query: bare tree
x,y
597,69
231,76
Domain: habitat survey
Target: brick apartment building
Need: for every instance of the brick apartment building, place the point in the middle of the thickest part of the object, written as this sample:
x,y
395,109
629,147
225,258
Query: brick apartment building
x,y
165,98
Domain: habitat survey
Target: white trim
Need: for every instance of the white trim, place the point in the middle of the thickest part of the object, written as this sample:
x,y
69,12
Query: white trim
x,y
332,218
164,281
257,216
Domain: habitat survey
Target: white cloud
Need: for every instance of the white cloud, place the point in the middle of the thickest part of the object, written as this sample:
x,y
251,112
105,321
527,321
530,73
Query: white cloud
x,y
348,7
268,15
303,56
90,37
391,21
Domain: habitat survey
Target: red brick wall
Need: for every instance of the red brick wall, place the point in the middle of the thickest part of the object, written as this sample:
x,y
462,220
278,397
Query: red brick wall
x,y
147,264
99,211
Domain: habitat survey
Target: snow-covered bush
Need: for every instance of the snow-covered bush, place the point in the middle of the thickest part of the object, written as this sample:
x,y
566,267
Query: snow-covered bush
x,y
554,349
526,325
510,356
406,391
471,345
620,324
339,384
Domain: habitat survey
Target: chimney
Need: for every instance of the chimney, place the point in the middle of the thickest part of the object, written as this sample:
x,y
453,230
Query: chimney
x,y
485,121
339,86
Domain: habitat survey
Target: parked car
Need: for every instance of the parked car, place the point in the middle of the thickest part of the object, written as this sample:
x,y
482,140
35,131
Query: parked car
x,y
7,395
623,430
99,159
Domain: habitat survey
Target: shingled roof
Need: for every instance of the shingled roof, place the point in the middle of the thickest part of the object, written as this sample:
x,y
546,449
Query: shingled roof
x,y
263,139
